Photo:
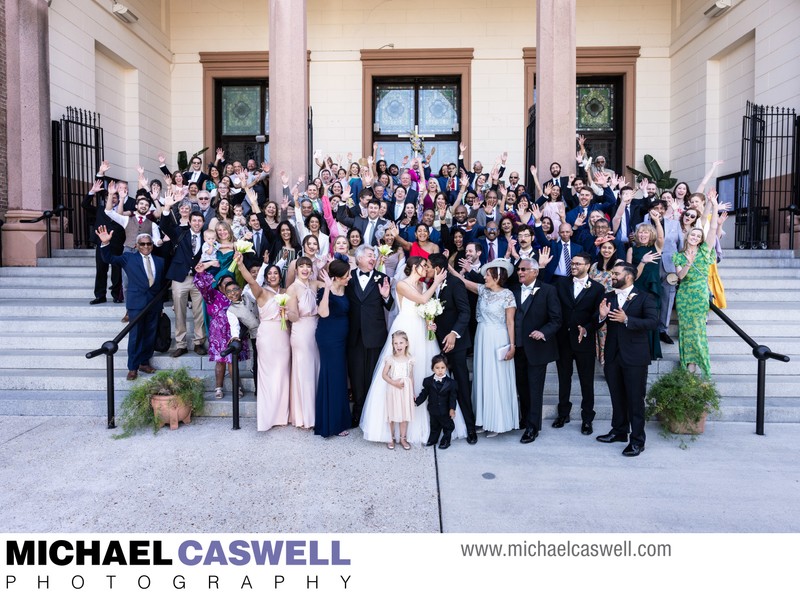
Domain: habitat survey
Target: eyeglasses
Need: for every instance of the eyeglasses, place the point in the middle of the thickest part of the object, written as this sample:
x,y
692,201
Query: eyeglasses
x,y
203,199
524,269
148,244
513,177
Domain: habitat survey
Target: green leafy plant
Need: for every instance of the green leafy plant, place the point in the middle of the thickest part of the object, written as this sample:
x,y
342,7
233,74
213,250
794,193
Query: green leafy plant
x,y
136,411
183,160
680,399
655,174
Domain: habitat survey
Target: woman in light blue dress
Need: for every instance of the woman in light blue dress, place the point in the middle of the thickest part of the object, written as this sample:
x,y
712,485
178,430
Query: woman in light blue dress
x,y
494,392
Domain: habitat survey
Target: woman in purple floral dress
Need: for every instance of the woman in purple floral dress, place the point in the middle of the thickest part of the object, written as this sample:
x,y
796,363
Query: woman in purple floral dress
x,y
219,331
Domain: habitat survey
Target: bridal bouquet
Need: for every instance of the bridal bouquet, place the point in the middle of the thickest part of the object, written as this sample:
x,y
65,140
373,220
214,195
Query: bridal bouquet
x,y
282,299
428,311
384,251
243,247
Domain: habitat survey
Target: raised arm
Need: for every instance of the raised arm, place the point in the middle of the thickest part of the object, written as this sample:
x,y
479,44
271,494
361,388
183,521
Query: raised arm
x,y
258,291
702,187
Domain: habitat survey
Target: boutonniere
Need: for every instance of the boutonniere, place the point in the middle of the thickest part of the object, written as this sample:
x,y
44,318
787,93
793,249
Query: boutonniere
x,y
631,296
588,284
443,285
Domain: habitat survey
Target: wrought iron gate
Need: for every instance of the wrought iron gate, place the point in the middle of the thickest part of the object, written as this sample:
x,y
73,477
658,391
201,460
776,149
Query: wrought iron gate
x,y
77,154
768,183
530,152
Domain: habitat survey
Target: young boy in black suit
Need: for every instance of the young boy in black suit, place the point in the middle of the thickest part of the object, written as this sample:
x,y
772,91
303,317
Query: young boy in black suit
x,y
441,392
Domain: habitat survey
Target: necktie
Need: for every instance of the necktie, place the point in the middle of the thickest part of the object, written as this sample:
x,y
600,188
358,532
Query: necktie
x,y
148,268
370,227
491,251
141,220
194,244
258,241
567,257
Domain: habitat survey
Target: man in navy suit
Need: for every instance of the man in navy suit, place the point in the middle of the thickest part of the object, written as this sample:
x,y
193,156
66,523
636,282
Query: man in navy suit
x,y
145,279
628,314
492,246
588,203
562,249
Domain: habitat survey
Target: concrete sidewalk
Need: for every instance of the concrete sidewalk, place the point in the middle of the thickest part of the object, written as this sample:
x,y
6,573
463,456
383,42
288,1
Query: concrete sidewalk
x,y
66,474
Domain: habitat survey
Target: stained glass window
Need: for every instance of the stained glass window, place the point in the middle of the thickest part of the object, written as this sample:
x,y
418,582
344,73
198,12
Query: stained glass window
x,y
438,109
394,110
241,110
595,107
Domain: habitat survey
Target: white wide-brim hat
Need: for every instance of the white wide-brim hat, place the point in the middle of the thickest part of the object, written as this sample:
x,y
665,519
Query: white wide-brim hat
x,y
498,263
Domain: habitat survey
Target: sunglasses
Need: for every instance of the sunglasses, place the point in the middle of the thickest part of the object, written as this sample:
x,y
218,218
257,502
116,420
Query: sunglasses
x,y
146,244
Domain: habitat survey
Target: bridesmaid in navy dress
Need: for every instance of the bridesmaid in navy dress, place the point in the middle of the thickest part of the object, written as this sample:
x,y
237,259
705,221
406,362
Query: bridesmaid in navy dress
x,y
332,405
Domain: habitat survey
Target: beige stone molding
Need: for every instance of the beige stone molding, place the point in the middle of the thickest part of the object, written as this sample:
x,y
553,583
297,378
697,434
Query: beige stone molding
x,y
416,62
600,61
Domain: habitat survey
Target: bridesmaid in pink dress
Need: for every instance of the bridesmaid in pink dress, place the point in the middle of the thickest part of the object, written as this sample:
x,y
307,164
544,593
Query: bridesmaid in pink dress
x,y
274,352
302,312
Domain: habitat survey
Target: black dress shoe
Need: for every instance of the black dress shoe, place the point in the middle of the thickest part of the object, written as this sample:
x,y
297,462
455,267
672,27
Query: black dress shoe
x,y
633,449
97,300
430,442
201,350
529,436
179,352
560,421
118,300
586,428
445,443
611,437
472,438
665,338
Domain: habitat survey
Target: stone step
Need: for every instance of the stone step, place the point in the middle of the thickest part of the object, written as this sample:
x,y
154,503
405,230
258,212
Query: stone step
x,y
89,253
68,359
48,272
777,386
70,261
93,403
758,254
761,263
757,271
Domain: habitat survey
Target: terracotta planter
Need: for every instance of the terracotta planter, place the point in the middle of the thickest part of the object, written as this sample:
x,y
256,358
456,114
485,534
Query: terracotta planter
x,y
169,410
687,427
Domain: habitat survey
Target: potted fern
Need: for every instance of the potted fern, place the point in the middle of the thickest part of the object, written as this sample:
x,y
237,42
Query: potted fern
x,y
169,396
682,401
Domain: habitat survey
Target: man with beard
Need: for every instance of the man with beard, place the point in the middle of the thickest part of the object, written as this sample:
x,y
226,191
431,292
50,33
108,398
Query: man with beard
x,y
628,315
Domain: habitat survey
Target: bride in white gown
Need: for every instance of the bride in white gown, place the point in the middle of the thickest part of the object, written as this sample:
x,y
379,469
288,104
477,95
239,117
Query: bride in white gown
x,y
374,421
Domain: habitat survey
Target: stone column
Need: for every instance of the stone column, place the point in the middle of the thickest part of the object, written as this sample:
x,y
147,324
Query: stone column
x,y
288,92
28,131
555,85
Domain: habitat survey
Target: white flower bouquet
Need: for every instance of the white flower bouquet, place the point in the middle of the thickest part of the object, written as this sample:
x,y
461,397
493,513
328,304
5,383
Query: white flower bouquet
x,y
243,247
428,311
282,299
384,251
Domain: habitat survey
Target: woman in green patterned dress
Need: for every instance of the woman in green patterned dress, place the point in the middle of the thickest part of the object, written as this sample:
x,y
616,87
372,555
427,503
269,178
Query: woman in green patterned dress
x,y
692,265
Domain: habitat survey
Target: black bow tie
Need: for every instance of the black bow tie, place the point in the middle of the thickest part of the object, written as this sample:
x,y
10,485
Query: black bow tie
x,y
438,379
362,273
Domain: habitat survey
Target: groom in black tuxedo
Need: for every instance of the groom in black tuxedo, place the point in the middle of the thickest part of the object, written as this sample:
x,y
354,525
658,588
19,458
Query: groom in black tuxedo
x,y
452,332
628,314
369,293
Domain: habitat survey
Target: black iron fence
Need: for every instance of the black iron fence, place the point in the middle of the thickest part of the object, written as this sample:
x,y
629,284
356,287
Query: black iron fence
x,y
768,184
77,154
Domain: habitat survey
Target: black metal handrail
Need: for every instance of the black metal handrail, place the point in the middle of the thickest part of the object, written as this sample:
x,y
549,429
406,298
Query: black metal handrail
x,y
760,352
47,215
234,347
110,347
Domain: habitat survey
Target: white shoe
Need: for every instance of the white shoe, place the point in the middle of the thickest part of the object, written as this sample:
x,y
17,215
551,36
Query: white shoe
x,y
492,434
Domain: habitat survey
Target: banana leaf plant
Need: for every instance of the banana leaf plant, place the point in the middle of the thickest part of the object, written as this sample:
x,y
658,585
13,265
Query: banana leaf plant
x,y
655,174
183,160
